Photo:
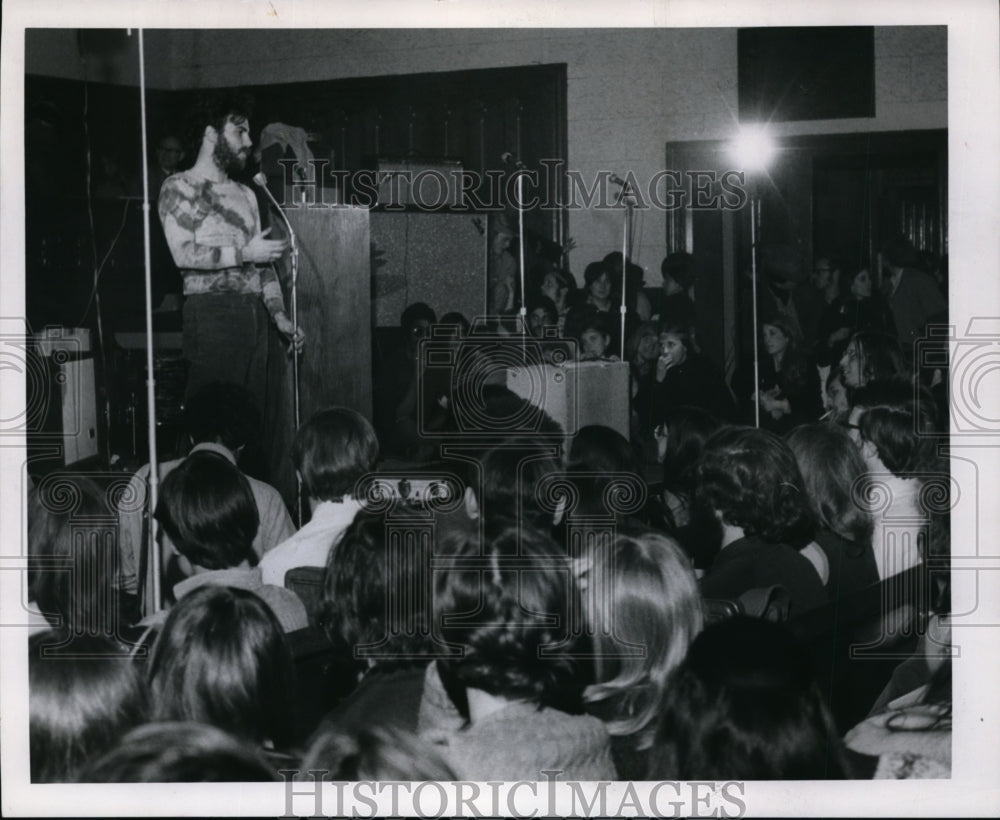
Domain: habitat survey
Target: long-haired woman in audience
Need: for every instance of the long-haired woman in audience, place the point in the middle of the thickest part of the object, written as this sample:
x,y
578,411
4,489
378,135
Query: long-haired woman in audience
x,y
871,356
744,705
222,659
859,307
643,608
81,700
832,468
788,387
509,609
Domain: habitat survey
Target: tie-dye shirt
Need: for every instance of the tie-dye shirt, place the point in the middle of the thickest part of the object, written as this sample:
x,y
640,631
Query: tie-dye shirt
x,y
207,224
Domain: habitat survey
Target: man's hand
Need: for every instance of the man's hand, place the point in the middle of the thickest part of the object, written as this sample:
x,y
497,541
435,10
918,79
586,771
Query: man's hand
x,y
296,336
262,250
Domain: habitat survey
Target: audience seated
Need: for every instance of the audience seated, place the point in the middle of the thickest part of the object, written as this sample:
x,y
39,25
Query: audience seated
x,y
376,607
220,418
60,510
79,703
787,381
858,308
643,608
375,754
748,482
869,357
895,433
331,453
494,603
680,441
207,510
831,470
744,705
180,752
684,377
221,660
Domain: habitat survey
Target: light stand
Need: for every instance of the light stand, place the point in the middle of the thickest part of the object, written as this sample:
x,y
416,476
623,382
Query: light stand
x,y
753,149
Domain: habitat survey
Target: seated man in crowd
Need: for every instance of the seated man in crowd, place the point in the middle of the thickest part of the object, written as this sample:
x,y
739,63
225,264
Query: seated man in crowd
x,y
207,510
895,434
220,418
331,452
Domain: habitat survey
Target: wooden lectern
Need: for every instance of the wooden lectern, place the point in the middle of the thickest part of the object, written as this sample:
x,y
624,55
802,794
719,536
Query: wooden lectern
x,y
334,310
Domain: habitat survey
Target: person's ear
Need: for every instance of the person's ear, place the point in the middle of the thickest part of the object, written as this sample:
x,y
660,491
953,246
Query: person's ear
x,y
868,450
184,565
471,504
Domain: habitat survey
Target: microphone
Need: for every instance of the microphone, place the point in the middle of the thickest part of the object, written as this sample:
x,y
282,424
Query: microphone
x,y
617,180
261,182
509,158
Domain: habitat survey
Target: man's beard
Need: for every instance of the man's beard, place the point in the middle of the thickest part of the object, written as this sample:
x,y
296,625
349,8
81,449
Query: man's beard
x,y
229,161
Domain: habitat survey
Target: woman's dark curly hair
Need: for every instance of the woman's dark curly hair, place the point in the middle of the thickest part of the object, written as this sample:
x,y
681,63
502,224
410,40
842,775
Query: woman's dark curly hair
x,y
507,603
750,476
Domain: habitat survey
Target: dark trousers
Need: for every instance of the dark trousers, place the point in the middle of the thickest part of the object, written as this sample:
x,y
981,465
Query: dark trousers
x,y
225,340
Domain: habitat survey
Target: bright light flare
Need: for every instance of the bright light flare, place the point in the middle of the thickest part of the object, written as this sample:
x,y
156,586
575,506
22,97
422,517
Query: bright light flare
x,y
753,148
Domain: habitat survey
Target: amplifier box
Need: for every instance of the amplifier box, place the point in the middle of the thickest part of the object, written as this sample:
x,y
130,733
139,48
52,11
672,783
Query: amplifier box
x,y
426,183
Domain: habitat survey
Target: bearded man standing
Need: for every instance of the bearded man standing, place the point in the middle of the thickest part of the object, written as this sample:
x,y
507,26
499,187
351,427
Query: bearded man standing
x,y
212,227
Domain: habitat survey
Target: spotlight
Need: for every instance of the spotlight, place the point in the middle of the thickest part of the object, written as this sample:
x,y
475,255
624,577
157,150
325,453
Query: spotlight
x,y
753,148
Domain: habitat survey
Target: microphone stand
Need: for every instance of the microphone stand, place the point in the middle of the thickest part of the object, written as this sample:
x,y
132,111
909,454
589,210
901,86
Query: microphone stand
x,y
261,182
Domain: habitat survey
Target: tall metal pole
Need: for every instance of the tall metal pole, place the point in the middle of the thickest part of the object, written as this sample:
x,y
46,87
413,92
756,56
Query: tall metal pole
x,y
154,481
753,278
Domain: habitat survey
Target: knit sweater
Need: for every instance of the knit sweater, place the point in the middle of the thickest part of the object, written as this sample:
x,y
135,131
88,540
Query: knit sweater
x,y
521,742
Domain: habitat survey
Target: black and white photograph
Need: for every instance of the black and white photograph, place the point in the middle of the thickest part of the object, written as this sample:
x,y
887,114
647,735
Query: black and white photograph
x,y
499,409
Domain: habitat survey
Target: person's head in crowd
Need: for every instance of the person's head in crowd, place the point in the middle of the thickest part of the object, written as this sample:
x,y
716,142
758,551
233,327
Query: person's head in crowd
x,y
676,341
831,466
744,705
542,315
783,343
653,606
682,437
223,413
898,253
634,276
894,428
415,322
781,267
835,400
598,283
169,154
559,286
79,703
595,336
747,477
222,660
59,509
857,285
826,275
643,347
207,509
510,612
599,455
361,578
332,451
455,319
871,356
677,270
376,754
511,475
503,413
180,752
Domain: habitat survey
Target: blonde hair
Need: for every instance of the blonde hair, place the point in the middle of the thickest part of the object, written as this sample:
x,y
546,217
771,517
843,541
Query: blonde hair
x,y
648,616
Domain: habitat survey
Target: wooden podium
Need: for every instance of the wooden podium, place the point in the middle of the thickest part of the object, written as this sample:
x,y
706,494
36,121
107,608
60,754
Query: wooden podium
x,y
334,310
